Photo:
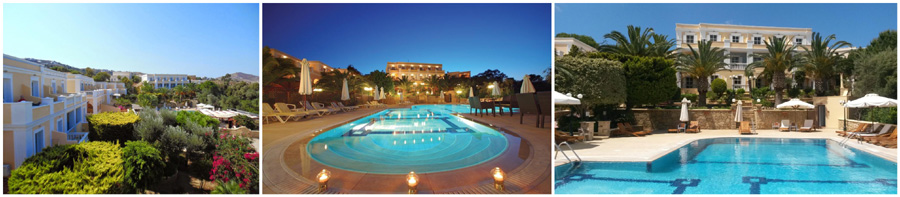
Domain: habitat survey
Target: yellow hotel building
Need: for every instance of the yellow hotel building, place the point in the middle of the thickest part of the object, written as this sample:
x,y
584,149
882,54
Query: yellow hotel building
x,y
740,43
43,107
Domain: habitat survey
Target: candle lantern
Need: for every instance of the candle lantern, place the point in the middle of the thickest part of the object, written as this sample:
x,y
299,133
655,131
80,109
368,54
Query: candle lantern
x,y
323,178
498,175
412,180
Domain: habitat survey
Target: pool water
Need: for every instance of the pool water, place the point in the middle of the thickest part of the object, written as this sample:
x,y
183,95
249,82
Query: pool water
x,y
423,138
738,166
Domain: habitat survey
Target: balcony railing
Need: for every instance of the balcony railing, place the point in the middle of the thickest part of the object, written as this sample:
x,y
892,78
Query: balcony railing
x,y
77,136
736,66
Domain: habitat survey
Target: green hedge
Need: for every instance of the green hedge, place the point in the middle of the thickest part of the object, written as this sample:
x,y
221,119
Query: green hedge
x,y
112,126
143,166
85,168
196,117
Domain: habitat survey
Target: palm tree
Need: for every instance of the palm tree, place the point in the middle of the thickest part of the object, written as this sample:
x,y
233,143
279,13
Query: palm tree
x,y
639,43
179,93
779,60
404,83
821,58
701,64
433,83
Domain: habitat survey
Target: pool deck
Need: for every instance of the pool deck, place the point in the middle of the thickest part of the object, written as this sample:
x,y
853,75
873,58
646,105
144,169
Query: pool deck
x,y
286,170
650,147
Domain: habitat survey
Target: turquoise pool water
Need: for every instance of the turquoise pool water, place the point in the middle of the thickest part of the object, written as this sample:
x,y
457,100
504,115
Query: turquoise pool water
x,y
738,166
423,138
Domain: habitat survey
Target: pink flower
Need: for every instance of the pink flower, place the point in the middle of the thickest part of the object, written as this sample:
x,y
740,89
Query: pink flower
x,y
212,177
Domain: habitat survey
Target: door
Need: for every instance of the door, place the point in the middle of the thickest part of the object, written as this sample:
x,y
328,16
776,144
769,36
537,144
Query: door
x,y
820,111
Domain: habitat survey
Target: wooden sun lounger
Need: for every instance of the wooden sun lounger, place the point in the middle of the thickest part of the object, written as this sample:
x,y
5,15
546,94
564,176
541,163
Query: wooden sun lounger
x,y
562,136
623,131
745,128
862,127
694,127
807,126
785,125
631,129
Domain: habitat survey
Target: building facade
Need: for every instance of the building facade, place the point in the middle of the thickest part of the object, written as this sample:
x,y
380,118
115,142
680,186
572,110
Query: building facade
x,y
316,68
165,80
416,72
460,74
740,43
562,46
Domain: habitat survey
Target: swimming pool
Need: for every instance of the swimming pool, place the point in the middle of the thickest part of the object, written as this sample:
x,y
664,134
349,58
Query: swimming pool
x,y
423,138
738,166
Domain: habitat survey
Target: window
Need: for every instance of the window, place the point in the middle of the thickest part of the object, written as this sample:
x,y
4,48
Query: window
x,y
689,39
60,125
798,41
35,87
735,59
735,39
53,83
757,40
714,38
737,82
688,82
7,88
70,120
38,139
756,59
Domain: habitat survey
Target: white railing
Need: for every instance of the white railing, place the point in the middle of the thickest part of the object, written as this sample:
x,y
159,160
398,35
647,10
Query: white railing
x,y
77,136
737,66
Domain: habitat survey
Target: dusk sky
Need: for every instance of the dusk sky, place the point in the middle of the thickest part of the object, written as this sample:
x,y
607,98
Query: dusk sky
x,y
207,40
854,23
514,38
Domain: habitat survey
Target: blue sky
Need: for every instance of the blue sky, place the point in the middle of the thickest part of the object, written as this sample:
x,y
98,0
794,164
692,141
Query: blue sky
x,y
200,39
514,38
854,23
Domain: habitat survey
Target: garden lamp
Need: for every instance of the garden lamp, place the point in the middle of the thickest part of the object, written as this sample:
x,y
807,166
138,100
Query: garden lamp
x,y
412,180
498,176
323,178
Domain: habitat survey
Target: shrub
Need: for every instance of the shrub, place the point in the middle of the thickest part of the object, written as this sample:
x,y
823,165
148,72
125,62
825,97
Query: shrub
x,y
690,97
150,127
85,168
246,121
234,159
230,187
196,117
169,117
175,140
793,92
718,86
601,81
143,164
112,126
712,96
886,115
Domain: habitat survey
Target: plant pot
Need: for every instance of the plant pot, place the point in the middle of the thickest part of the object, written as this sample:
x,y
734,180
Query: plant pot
x,y
602,129
587,128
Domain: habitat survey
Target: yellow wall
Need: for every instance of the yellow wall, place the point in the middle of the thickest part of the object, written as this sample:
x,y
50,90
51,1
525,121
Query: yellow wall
x,y
9,148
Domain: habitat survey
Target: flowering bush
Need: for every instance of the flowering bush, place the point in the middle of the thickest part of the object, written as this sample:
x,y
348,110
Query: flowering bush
x,y
235,160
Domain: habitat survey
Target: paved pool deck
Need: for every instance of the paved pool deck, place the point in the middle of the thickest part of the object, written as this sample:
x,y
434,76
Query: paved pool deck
x,y
289,171
649,147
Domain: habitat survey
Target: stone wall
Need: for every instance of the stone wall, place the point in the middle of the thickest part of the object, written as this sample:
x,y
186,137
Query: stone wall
x,y
663,119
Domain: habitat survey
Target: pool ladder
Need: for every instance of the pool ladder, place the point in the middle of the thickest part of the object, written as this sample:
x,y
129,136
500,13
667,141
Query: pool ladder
x,y
560,150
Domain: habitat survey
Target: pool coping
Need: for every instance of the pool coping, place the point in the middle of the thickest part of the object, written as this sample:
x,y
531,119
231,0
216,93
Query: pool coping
x,y
852,143
305,185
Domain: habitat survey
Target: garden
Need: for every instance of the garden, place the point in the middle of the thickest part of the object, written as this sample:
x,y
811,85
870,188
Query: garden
x,y
639,71
152,152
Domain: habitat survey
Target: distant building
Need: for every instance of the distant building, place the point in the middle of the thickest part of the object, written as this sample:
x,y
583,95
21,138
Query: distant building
x,y
460,74
116,74
316,68
165,80
740,43
563,45
416,72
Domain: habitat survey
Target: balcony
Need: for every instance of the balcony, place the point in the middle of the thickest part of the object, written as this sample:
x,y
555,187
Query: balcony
x,y
736,66
26,112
